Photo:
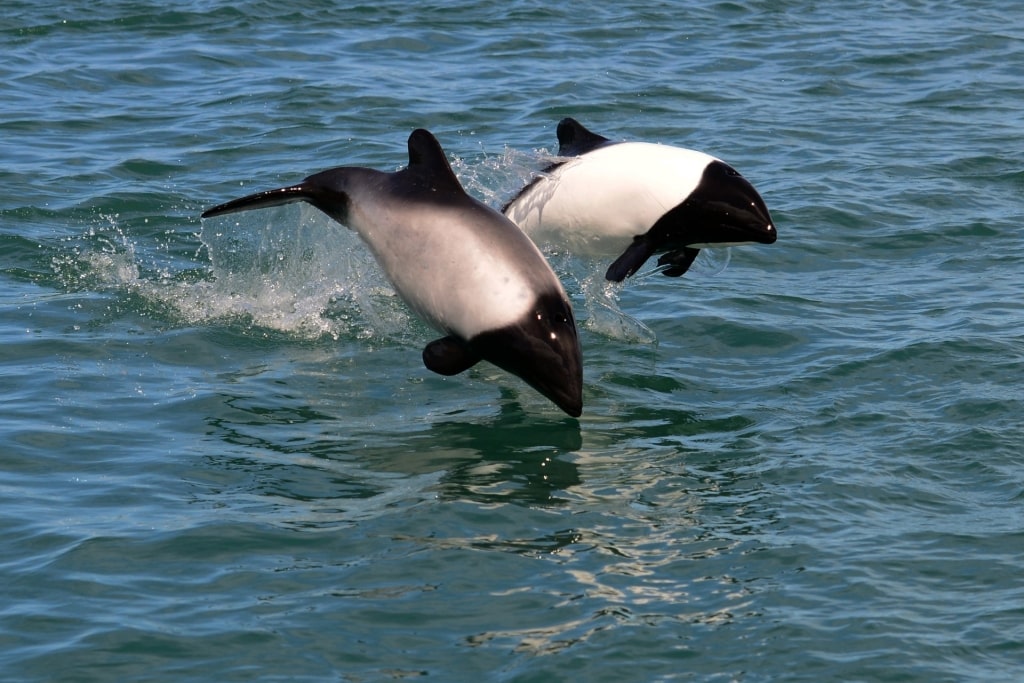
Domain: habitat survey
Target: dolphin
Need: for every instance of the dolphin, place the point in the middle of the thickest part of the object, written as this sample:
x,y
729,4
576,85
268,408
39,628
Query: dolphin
x,y
465,269
636,199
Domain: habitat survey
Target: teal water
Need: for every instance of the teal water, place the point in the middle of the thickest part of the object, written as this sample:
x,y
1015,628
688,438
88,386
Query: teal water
x,y
222,459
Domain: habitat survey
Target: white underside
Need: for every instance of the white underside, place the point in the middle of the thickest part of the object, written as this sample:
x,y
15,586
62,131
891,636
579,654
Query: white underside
x,y
462,273
596,203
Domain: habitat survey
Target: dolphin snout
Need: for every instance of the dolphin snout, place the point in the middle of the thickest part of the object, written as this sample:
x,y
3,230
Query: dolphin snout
x,y
542,349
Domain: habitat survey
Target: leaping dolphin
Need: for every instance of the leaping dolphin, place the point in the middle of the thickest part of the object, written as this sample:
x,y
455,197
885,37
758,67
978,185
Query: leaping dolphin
x,y
636,199
468,271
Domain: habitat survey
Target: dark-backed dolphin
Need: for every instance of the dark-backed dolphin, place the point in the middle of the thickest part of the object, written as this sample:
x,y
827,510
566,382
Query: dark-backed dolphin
x,y
464,268
636,199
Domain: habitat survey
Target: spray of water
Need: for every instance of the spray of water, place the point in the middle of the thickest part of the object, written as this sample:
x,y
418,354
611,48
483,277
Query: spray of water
x,y
293,270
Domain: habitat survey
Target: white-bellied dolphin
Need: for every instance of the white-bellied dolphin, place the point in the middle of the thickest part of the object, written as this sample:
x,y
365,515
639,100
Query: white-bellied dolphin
x,y
464,268
636,199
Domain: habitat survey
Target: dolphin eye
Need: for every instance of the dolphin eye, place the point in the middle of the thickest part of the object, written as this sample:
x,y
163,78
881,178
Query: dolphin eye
x,y
557,317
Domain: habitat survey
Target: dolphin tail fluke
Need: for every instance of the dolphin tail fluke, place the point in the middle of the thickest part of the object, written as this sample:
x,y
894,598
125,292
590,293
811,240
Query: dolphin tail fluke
x,y
635,256
264,200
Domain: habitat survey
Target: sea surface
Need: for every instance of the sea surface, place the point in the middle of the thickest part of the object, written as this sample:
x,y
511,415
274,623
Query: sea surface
x,y
221,458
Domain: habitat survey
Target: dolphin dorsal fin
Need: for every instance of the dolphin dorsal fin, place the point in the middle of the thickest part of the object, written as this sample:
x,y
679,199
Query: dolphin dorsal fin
x,y
574,139
427,159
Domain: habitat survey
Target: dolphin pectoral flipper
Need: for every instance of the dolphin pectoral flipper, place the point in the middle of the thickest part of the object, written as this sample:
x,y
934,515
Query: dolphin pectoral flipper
x,y
629,262
449,356
678,261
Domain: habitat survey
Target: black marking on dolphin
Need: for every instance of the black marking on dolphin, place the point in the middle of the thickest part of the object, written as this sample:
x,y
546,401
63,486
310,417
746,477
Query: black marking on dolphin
x,y
464,268
721,208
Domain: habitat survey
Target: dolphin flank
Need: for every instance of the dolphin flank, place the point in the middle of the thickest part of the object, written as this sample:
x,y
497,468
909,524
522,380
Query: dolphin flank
x,y
635,199
464,268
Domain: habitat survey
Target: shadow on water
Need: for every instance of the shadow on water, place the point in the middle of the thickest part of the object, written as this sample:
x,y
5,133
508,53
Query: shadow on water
x,y
516,459
306,467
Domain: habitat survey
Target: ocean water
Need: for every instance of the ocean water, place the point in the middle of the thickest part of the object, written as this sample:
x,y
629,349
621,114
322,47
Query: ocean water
x,y
222,459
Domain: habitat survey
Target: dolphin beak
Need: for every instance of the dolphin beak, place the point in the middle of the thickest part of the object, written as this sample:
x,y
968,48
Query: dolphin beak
x,y
543,349
725,209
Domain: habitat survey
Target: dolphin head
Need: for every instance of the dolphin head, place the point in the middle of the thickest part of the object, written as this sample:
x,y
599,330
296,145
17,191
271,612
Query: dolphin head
x,y
542,348
724,209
